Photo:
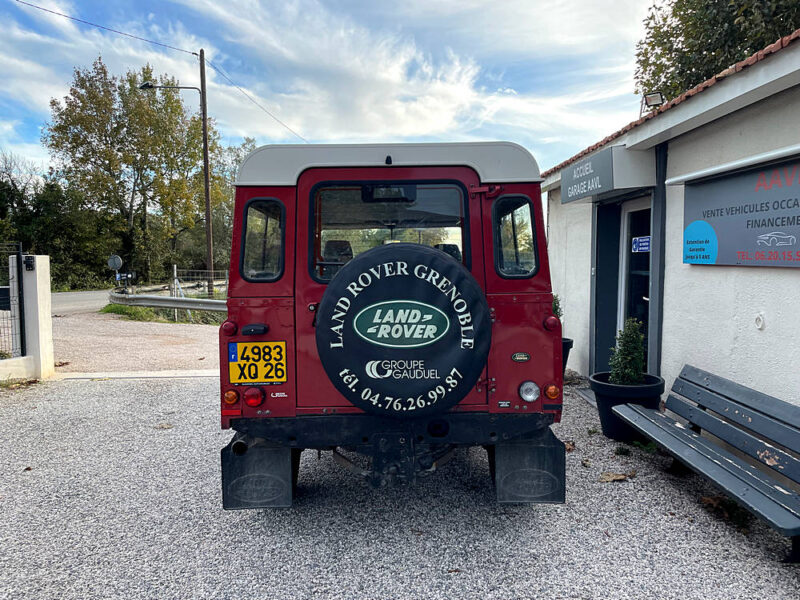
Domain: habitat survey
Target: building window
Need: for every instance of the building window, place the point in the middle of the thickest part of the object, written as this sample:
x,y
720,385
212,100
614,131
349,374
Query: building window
x,y
262,253
514,243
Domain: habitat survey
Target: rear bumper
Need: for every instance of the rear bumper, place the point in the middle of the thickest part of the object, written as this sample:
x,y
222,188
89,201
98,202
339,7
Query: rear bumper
x,y
260,463
362,431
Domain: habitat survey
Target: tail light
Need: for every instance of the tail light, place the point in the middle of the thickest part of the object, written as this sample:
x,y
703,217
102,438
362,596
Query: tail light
x,y
254,396
231,397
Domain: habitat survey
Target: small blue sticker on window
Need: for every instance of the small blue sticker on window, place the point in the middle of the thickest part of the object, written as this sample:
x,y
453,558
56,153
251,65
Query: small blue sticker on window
x,y
641,244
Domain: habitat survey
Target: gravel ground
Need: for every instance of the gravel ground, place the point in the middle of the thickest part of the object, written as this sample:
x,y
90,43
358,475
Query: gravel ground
x,y
128,505
92,342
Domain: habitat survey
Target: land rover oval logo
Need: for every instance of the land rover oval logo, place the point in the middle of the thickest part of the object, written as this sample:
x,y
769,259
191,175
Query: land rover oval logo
x,y
401,324
520,357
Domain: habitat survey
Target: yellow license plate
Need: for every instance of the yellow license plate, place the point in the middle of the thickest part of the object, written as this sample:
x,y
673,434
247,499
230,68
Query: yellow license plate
x,y
257,362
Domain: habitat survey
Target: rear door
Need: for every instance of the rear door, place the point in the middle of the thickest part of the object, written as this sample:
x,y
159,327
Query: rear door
x,y
260,353
334,224
520,298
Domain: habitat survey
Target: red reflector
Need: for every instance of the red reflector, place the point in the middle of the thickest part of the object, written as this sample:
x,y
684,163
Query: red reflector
x,y
551,323
229,328
230,412
254,396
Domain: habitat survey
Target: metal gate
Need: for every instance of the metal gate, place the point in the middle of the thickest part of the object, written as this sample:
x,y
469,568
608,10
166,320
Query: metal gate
x,y
12,310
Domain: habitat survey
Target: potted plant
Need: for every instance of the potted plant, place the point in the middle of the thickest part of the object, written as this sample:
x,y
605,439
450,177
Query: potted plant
x,y
566,343
626,383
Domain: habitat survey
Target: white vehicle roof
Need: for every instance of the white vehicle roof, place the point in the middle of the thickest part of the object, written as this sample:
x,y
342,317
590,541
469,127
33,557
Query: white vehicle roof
x,y
282,164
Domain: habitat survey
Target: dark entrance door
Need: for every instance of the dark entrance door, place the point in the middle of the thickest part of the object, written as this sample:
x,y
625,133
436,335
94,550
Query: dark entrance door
x,y
634,291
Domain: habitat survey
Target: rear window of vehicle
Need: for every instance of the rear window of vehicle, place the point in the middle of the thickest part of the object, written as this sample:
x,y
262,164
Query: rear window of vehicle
x,y
352,218
262,254
514,244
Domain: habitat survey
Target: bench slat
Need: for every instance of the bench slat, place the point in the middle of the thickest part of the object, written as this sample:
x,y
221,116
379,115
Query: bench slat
x,y
763,501
738,467
773,407
762,424
767,454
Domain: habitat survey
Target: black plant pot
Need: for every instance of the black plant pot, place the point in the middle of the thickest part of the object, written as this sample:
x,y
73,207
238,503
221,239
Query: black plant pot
x,y
608,395
566,346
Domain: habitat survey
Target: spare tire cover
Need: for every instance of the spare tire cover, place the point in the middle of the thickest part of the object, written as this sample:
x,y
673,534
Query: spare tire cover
x,y
403,330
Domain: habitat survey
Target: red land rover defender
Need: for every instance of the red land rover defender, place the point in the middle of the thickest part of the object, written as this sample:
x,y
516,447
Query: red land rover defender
x,y
392,300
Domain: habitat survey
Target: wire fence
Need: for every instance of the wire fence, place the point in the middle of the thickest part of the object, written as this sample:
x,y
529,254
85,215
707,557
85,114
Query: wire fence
x,y
11,324
197,283
201,280
188,284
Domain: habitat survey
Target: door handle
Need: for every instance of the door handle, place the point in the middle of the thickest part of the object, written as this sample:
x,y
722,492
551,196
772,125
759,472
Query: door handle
x,y
312,308
255,329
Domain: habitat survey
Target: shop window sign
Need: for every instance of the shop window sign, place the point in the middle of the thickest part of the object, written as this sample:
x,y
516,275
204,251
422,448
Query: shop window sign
x,y
751,218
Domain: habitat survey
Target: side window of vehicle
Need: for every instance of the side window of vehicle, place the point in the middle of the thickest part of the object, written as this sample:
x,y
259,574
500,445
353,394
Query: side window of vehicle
x,y
514,244
262,249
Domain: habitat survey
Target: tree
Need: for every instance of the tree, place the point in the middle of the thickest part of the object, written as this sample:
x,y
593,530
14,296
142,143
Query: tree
x,y
133,153
689,41
57,222
192,246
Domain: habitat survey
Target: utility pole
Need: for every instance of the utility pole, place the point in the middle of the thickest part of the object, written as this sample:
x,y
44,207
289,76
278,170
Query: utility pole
x,y
149,85
206,185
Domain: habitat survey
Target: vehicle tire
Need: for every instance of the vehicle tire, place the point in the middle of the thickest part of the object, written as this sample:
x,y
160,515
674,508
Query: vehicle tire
x,y
403,330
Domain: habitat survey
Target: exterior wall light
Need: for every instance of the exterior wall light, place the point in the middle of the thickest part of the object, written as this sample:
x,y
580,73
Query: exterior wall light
x,y
654,99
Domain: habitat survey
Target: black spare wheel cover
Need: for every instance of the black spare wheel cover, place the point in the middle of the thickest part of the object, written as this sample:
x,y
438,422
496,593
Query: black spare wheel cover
x,y
403,330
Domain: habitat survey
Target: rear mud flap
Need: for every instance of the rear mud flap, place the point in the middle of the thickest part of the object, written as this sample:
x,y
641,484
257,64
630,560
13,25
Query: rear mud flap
x,y
529,471
256,475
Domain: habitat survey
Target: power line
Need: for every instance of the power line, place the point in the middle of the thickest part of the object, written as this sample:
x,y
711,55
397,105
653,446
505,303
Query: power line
x,y
141,39
130,35
253,100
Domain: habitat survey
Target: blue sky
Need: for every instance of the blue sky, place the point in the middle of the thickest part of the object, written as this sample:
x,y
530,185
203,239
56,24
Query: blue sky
x,y
554,76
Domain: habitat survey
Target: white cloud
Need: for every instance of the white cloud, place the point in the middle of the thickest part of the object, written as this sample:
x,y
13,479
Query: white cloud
x,y
11,141
546,28
344,70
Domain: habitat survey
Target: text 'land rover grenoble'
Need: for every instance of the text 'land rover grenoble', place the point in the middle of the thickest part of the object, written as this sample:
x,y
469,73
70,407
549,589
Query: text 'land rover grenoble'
x,y
393,301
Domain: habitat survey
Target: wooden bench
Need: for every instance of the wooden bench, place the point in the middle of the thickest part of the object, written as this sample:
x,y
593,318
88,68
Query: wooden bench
x,y
760,426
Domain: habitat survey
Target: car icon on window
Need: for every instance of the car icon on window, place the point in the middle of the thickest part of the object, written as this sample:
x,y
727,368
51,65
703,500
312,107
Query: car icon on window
x,y
776,238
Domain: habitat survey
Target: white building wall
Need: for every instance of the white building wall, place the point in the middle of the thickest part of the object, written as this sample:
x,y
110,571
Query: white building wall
x,y
710,311
570,252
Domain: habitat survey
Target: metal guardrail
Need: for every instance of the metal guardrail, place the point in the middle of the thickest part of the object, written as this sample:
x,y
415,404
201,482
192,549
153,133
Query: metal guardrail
x,y
168,302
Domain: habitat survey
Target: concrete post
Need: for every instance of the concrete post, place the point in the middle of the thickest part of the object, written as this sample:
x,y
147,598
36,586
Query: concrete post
x,y
38,318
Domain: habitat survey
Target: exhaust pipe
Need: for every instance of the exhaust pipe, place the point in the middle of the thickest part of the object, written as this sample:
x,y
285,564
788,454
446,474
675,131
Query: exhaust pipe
x,y
240,446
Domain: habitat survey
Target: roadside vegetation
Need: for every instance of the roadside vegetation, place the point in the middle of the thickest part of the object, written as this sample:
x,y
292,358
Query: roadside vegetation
x,y
164,315
16,384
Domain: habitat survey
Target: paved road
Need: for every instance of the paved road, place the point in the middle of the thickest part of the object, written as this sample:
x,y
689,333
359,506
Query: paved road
x,y
69,303
110,489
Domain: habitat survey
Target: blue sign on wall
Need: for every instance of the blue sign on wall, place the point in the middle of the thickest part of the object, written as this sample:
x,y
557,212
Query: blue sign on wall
x,y
641,244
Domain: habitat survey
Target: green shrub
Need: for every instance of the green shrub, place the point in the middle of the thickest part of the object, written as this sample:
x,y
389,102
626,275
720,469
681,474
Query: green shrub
x,y
557,306
627,358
